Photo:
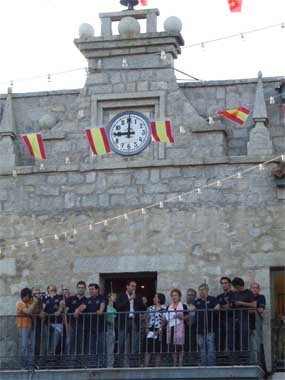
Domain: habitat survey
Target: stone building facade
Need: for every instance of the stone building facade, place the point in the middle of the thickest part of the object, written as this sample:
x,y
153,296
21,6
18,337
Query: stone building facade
x,y
236,229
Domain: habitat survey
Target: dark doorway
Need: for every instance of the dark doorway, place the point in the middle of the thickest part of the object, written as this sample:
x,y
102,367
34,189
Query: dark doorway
x,y
116,282
278,317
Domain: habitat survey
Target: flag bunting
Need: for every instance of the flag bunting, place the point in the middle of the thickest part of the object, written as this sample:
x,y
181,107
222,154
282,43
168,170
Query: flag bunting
x,y
35,145
144,3
98,141
235,5
237,115
161,131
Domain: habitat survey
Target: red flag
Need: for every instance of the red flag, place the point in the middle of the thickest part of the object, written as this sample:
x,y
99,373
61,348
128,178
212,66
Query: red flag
x,y
235,5
144,3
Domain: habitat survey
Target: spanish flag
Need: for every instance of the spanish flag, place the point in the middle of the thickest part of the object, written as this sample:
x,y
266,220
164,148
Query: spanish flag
x,y
35,145
98,141
235,5
161,131
237,115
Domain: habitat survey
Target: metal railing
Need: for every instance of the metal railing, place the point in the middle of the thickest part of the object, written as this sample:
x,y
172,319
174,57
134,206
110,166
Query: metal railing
x,y
278,343
161,338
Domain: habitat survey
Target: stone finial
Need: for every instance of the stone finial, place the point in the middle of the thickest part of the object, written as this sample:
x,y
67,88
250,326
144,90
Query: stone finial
x,y
173,24
8,124
259,138
259,110
86,31
8,135
129,27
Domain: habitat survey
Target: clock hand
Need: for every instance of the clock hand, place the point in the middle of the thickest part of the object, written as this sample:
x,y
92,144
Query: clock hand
x,y
129,126
119,134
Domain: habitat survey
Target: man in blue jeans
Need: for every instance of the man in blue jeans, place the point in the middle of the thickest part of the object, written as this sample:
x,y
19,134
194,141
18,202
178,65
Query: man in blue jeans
x,y
25,309
207,308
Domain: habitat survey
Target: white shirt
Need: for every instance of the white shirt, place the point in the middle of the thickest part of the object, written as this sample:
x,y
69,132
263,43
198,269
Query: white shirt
x,y
132,309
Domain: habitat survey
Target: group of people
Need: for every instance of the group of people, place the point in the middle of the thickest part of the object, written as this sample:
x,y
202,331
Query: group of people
x,y
98,327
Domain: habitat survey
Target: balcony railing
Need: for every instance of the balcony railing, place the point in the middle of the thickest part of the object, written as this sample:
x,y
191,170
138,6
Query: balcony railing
x,y
180,338
278,337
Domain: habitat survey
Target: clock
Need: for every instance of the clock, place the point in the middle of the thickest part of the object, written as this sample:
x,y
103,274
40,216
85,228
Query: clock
x,y
129,133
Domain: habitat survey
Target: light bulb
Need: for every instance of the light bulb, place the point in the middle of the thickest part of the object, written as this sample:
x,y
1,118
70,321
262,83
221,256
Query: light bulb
x,y
99,64
143,211
75,232
90,227
199,191
203,46
26,244
105,222
261,167
126,217
67,160
219,184
211,120
41,241
42,166
125,63
182,130
180,198
14,173
163,56
283,157
56,237
271,100
65,234
49,78
242,37
283,25
239,175
13,248
161,204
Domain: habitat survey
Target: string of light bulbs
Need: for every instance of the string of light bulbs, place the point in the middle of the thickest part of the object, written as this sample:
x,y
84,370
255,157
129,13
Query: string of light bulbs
x,y
50,75
242,35
139,211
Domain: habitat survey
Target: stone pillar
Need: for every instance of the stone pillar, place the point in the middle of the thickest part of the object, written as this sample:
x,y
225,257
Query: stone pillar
x,y
106,27
151,21
7,136
259,138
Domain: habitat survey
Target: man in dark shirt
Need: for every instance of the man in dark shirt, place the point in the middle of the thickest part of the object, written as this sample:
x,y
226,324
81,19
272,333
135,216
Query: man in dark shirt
x,y
95,336
206,307
53,306
128,305
241,301
226,331
256,328
75,307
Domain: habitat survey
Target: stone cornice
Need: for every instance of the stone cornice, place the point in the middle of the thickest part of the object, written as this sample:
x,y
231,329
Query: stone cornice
x,y
101,165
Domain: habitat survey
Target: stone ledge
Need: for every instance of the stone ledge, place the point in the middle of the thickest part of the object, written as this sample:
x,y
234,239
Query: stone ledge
x,y
42,93
138,14
209,129
101,165
54,135
229,82
202,373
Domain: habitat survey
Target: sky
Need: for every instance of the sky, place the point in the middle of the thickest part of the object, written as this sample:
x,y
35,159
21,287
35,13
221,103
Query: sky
x,y
37,39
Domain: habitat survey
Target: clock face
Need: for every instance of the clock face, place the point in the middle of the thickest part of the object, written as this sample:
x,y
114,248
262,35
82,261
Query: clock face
x,y
129,133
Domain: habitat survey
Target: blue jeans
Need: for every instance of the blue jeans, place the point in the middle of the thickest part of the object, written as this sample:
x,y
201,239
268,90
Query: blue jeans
x,y
55,335
206,345
26,346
